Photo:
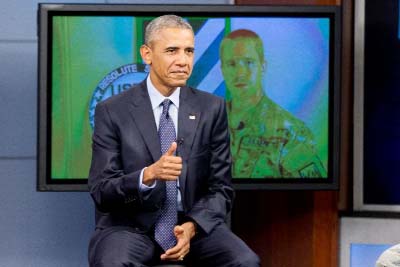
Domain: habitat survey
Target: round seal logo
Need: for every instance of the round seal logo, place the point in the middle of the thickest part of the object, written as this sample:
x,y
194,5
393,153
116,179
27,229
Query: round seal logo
x,y
115,82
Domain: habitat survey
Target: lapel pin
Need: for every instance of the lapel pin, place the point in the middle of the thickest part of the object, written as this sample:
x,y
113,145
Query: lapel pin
x,y
192,117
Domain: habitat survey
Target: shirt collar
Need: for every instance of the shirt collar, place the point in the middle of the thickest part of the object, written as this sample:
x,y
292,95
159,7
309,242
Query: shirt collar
x,y
156,98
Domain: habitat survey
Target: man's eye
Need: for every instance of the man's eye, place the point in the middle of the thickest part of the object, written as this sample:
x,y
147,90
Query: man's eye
x,y
250,63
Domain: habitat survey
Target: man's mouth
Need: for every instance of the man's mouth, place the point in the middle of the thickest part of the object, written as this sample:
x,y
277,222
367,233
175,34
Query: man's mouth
x,y
179,72
240,85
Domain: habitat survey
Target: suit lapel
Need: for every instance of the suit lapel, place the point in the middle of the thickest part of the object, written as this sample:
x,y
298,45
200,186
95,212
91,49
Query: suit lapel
x,y
188,120
143,116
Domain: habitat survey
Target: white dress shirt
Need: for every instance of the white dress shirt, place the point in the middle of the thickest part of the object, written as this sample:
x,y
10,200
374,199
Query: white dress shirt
x,y
156,98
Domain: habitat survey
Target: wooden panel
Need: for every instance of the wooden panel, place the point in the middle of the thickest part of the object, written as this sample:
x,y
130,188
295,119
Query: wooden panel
x,y
283,227
346,155
325,229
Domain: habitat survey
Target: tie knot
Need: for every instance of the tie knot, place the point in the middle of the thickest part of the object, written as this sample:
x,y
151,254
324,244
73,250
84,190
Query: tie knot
x,y
165,105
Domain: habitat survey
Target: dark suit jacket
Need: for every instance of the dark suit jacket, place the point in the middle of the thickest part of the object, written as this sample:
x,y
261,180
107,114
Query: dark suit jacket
x,y
125,140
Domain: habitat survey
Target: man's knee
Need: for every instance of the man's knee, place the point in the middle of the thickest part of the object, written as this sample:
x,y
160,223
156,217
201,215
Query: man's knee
x,y
107,259
121,248
247,259
107,262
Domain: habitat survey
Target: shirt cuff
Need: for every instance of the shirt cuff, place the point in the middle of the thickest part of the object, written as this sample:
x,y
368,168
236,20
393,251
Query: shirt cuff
x,y
142,186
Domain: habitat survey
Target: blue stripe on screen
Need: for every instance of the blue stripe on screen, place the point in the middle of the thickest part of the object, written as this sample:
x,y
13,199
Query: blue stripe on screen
x,y
206,62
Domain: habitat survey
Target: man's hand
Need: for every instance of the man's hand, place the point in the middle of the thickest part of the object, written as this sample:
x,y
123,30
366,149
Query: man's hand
x,y
167,168
183,234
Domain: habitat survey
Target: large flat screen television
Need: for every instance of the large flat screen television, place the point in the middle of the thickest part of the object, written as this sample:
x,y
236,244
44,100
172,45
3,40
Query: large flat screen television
x,y
287,139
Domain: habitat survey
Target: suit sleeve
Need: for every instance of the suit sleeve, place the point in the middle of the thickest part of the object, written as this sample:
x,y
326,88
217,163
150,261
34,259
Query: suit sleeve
x,y
213,208
110,187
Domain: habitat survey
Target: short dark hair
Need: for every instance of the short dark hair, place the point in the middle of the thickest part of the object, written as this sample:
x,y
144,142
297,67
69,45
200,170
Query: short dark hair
x,y
243,33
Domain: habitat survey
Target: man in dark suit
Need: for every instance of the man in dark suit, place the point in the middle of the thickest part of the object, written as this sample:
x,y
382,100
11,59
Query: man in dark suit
x,y
133,169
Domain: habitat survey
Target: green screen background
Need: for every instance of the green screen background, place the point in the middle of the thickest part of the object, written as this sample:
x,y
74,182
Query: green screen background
x,y
86,49
76,42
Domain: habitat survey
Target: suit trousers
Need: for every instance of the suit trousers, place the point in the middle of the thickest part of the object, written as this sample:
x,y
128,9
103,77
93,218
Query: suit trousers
x,y
119,246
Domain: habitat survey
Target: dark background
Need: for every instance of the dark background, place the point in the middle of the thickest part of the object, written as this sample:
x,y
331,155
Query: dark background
x,y
382,103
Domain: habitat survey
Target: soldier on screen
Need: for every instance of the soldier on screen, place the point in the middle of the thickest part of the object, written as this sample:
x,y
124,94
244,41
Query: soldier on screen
x,y
267,141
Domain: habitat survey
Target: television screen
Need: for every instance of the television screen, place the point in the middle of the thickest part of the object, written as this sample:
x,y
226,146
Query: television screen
x,y
276,66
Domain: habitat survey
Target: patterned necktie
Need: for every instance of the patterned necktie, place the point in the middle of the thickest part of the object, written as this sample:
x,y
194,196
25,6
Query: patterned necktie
x,y
164,228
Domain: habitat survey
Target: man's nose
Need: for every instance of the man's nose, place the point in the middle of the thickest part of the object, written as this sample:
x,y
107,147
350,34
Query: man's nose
x,y
241,68
182,59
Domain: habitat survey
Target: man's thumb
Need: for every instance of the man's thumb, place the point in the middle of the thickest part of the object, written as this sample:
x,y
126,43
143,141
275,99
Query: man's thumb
x,y
171,149
178,230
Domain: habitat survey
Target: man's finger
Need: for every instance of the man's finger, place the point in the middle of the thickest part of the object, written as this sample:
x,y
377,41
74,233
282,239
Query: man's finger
x,y
172,166
169,177
173,159
178,250
171,149
178,230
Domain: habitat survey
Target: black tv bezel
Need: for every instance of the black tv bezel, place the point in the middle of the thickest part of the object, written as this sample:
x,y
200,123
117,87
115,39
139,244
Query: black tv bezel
x,y
45,13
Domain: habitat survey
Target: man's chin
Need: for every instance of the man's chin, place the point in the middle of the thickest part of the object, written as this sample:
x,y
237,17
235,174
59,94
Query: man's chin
x,y
178,82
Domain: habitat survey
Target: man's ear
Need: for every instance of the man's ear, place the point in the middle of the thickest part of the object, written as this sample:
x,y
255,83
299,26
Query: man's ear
x,y
145,52
264,66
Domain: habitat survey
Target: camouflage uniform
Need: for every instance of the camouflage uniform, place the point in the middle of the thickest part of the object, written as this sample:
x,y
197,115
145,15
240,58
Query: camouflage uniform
x,y
269,142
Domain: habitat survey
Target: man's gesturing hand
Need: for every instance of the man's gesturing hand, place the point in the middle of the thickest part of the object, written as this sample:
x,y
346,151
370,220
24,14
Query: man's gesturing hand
x,y
183,233
167,168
